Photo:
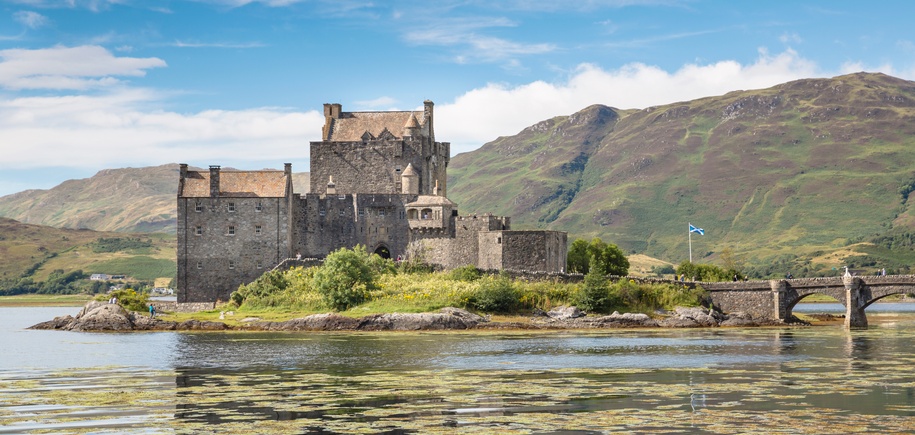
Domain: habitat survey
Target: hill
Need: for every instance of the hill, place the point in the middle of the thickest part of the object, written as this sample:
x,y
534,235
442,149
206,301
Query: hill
x,y
33,253
139,200
785,174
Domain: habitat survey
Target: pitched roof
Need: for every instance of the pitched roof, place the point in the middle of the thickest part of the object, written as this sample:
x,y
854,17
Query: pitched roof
x,y
268,184
350,126
431,200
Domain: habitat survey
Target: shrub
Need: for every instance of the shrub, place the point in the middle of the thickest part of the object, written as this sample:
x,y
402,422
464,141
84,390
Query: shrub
x,y
607,257
345,278
128,298
495,295
468,273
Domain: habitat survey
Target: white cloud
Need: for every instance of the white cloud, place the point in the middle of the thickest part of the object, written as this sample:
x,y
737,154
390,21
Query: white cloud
x,y
789,38
498,110
74,68
182,44
116,130
462,33
32,20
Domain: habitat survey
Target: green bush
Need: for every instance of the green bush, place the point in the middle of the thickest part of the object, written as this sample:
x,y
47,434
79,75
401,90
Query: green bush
x,y
128,298
607,257
707,272
495,295
345,279
468,273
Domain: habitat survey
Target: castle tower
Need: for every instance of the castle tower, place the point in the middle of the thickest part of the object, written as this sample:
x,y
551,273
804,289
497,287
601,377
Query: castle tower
x,y
409,181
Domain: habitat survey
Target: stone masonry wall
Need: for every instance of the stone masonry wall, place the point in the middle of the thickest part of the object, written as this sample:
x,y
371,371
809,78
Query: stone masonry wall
x,y
237,242
375,166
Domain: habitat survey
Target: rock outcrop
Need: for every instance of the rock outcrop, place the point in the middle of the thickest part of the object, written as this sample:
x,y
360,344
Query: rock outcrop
x,y
99,316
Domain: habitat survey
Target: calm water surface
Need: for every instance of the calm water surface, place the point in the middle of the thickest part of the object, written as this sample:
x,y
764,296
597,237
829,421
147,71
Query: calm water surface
x,y
801,380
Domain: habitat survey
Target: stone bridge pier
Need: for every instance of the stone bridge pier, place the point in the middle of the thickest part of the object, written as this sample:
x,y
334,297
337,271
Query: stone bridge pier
x,y
775,299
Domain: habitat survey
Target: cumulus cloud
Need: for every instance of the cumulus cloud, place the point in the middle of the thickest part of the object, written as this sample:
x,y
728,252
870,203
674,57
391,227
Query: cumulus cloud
x,y
116,130
73,68
499,110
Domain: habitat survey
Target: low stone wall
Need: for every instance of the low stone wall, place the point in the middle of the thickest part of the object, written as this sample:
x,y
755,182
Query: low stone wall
x,y
193,307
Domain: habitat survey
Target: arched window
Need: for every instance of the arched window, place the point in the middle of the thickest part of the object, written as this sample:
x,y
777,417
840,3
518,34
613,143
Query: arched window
x,y
427,213
412,213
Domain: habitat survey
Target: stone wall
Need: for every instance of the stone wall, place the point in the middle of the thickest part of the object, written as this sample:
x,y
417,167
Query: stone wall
x,y
375,166
534,250
228,242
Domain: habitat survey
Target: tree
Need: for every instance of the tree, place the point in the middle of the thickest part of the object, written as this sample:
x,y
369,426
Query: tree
x,y
607,257
345,279
594,296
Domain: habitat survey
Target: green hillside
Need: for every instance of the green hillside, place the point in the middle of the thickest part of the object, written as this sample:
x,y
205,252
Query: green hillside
x,y
38,254
799,169
139,200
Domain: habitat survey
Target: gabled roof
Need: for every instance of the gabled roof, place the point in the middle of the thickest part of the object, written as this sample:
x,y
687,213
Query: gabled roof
x,y
252,184
350,126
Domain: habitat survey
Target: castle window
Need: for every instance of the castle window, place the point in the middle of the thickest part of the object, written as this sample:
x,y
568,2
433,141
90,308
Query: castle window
x,y
361,212
198,207
231,230
198,230
381,212
341,212
341,196
499,240
257,230
323,213
200,265
258,207
259,265
427,213
231,207
231,264
402,214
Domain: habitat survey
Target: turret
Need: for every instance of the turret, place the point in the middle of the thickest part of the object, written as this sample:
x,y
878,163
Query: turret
x,y
409,181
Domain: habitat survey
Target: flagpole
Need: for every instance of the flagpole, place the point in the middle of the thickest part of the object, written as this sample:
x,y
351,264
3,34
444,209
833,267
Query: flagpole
x,y
690,236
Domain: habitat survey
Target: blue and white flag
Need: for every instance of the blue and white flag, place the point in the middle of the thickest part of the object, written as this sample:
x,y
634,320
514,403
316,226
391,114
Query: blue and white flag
x,y
696,230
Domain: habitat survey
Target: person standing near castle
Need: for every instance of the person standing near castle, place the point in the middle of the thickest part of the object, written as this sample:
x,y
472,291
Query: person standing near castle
x,y
152,311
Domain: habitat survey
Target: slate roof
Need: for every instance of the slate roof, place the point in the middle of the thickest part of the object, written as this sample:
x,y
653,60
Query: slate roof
x,y
252,184
431,200
350,126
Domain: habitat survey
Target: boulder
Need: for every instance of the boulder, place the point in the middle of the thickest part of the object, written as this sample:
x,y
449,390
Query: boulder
x,y
99,316
565,312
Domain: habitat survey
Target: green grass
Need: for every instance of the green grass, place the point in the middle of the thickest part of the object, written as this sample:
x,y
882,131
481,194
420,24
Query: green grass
x,y
35,300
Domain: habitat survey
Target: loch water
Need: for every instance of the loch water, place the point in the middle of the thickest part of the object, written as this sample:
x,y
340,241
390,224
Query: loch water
x,y
821,379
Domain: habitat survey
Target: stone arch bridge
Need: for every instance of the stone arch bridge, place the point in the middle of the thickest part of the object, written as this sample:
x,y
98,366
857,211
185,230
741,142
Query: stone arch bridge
x,y
776,299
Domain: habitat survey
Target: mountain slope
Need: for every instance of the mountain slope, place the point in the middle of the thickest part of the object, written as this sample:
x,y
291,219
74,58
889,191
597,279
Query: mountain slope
x,y
141,200
807,165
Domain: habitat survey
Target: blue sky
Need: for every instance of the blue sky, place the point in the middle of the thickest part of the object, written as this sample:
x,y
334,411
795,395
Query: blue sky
x,y
87,85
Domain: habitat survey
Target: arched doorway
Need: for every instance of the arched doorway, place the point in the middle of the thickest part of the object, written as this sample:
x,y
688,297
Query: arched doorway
x,y
383,252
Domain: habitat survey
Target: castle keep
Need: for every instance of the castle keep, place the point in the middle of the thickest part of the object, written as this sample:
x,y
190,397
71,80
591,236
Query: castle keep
x,y
378,179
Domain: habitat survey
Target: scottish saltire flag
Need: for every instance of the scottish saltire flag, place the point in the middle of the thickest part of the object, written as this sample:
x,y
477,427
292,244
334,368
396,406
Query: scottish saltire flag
x,y
696,230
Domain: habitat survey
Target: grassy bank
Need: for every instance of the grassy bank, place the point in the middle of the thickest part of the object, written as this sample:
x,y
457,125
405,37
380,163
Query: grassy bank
x,y
37,300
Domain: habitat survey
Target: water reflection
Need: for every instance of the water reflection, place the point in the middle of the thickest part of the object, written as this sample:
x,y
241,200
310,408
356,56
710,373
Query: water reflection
x,y
713,380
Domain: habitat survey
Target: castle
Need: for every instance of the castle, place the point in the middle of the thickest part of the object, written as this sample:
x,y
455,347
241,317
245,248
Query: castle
x,y
377,179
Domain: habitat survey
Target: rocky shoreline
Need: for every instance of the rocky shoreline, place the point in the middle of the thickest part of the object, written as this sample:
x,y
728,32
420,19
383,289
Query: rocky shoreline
x,y
103,317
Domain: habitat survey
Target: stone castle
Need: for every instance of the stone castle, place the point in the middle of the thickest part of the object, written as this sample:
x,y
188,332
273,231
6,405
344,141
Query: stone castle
x,y
378,179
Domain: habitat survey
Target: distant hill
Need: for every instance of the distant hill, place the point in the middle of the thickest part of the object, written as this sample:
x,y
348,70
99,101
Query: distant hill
x,y
34,251
139,200
796,170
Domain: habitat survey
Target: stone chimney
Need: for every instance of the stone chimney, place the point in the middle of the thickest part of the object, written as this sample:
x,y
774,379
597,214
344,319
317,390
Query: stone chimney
x,y
214,181
427,119
332,111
